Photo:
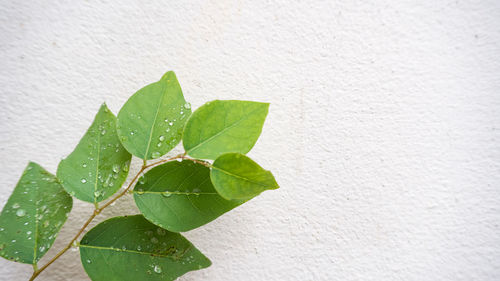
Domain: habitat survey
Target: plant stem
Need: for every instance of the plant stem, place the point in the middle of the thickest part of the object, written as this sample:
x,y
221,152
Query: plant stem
x,y
98,210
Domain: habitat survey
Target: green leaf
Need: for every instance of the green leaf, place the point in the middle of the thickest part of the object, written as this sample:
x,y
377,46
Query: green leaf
x,y
132,248
179,196
235,176
99,165
223,126
33,215
150,123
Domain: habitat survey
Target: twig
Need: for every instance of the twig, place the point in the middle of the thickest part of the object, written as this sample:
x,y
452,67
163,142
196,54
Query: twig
x,y
97,211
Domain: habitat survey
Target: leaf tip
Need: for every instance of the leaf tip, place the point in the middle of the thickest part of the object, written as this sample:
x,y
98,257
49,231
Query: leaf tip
x,y
169,75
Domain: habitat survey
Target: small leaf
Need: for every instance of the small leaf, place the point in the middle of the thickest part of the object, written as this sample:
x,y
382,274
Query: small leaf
x,y
179,196
223,126
132,248
99,165
33,216
150,123
235,176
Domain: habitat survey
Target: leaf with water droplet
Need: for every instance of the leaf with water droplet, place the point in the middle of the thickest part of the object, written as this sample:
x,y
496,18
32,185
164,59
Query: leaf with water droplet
x,y
133,256
223,126
157,105
179,196
235,176
24,212
85,184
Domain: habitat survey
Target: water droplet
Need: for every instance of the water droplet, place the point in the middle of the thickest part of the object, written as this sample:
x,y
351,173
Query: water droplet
x,y
83,180
103,132
157,269
116,168
131,133
125,166
155,154
29,232
154,240
171,123
139,248
21,213
2,229
46,223
84,165
97,194
42,248
89,261
14,241
159,144
187,105
16,205
161,231
161,138
167,194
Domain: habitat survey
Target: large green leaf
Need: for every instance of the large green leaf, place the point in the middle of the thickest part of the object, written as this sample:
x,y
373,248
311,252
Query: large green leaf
x,y
179,196
235,176
99,165
33,215
150,123
222,126
132,248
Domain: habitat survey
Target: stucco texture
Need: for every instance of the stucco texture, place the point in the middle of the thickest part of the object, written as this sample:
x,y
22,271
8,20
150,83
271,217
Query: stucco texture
x,y
383,130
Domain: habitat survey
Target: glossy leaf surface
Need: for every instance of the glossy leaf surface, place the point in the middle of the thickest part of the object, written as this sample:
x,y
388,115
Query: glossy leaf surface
x,y
99,165
132,248
151,122
33,216
223,126
235,176
179,196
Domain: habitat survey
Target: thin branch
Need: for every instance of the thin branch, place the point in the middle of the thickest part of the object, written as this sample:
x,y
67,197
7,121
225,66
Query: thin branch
x,y
97,211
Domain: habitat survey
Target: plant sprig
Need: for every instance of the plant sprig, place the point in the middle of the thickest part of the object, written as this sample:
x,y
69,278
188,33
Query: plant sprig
x,y
172,196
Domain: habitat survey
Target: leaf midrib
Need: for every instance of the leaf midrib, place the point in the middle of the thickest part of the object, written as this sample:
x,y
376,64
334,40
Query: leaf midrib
x,y
240,177
245,117
126,251
36,227
97,165
173,192
163,90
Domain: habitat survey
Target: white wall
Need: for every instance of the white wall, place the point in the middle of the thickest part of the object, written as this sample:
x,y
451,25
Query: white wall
x,y
384,128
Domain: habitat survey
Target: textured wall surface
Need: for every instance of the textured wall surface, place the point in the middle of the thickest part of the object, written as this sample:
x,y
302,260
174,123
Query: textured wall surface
x,y
383,132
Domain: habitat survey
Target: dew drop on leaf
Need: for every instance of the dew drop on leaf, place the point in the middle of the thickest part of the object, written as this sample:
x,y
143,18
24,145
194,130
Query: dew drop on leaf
x,y
83,180
161,138
15,206
157,269
155,154
187,105
20,213
116,168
